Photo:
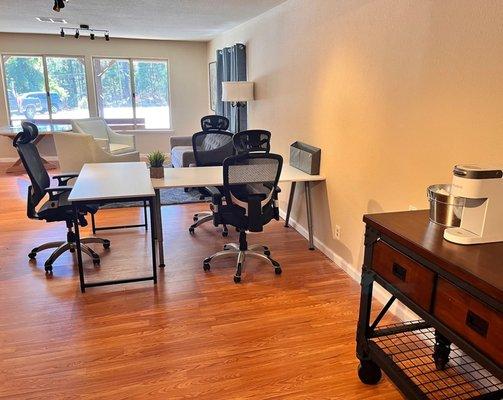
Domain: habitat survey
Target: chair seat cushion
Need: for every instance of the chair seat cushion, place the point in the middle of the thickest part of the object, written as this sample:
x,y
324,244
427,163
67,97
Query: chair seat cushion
x,y
182,156
64,210
117,148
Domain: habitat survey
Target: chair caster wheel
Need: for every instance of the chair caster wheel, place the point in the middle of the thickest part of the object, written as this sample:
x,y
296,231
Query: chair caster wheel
x,y
275,264
195,219
48,269
106,244
225,233
237,279
191,231
278,270
32,255
369,373
72,250
267,253
96,262
206,266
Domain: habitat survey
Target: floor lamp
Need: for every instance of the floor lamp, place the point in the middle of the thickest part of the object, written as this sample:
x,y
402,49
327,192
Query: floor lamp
x,y
237,93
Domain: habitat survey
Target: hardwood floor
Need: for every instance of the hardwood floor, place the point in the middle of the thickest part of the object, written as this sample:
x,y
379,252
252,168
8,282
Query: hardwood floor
x,y
194,335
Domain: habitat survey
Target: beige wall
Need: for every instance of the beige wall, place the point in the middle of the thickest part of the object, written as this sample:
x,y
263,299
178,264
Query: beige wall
x,y
188,78
395,93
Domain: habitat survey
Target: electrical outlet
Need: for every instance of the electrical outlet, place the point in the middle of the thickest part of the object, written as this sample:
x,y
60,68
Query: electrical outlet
x,y
338,232
412,208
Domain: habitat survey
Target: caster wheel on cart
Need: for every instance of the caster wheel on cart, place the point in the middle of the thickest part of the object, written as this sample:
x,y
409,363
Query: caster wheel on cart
x,y
441,358
369,373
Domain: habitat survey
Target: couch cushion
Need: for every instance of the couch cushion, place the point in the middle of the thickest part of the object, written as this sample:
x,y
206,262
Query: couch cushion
x,y
182,156
117,148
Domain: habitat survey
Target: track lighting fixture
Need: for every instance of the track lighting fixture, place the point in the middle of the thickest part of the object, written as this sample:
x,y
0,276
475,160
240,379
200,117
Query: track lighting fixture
x,y
85,28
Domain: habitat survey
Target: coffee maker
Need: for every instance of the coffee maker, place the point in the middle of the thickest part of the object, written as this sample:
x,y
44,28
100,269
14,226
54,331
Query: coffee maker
x,y
482,216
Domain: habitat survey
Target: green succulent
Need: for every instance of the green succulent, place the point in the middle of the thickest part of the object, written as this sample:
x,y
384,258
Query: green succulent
x,y
156,158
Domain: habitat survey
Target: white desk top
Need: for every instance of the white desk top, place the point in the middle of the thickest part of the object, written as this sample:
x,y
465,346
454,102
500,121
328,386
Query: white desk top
x,y
108,181
213,176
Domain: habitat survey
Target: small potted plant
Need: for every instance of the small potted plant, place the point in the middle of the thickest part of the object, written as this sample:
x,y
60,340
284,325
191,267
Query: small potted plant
x,y
156,160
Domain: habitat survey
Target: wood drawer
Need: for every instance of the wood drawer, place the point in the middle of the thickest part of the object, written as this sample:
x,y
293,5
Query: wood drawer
x,y
409,277
475,321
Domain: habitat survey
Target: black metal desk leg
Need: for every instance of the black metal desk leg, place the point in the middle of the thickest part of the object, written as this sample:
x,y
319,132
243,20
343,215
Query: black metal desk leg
x,y
79,251
158,228
309,215
152,234
290,202
145,214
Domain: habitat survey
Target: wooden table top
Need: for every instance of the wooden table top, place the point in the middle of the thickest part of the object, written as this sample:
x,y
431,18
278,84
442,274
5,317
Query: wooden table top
x,y
481,265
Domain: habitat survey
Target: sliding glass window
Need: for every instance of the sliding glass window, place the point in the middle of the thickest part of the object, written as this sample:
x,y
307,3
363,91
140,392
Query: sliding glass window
x,y
133,93
45,88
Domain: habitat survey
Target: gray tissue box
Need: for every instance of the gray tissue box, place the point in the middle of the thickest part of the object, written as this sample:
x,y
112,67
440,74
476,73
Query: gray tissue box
x,y
305,157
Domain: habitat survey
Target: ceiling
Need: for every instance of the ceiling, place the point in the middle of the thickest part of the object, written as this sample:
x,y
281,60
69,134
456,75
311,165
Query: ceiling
x,y
145,19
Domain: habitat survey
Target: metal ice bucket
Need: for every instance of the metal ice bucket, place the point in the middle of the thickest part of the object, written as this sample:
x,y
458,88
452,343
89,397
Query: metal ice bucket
x,y
445,209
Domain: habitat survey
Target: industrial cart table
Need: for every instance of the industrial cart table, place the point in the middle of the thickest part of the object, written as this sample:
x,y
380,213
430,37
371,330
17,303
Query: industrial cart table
x,y
455,349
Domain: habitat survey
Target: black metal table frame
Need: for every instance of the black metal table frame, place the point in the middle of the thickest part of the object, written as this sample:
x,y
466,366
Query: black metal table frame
x,y
106,228
151,202
366,331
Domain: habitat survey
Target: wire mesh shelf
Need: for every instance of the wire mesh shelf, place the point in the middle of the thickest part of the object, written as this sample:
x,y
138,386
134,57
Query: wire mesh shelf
x,y
462,378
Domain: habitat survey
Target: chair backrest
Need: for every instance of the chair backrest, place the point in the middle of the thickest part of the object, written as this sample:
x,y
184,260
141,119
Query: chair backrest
x,y
214,123
211,148
250,182
96,127
32,162
252,140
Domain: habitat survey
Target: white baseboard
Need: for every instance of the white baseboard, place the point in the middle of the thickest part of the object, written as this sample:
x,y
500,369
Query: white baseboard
x,y
379,293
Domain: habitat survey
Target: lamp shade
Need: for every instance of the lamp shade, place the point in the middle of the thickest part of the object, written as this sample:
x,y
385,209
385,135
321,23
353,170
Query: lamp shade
x,y
237,91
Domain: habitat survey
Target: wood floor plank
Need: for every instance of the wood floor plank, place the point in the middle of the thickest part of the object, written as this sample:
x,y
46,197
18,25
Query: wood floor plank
x,y
194,335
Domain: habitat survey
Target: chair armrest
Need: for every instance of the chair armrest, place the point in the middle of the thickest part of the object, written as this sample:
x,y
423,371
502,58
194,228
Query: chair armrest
x,y
55,192
180,141
103,143
64,178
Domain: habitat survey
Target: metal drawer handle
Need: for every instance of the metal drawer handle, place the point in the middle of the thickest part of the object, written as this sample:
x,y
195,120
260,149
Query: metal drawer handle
x,y
399,271
477,323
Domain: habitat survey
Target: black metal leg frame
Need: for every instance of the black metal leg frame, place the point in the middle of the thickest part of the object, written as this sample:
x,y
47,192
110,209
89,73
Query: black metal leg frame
x,y
151,203
103,228
415,354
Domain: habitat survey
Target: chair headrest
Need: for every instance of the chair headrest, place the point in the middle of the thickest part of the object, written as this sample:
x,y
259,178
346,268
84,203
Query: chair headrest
x,y
252,140
214,123
27,135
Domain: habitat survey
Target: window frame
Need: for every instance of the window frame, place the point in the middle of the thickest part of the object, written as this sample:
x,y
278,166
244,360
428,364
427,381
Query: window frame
x,y
50,120
131,61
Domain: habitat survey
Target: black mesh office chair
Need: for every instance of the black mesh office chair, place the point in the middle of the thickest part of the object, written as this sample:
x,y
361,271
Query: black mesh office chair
x,y
253,140
211,147
57,208
250,190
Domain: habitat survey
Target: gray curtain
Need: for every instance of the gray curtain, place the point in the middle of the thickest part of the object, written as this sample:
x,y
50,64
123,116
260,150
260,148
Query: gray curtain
x,y
231,66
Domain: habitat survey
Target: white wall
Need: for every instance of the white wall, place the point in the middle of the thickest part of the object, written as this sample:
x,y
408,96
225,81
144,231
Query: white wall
x,y
394,92
188,78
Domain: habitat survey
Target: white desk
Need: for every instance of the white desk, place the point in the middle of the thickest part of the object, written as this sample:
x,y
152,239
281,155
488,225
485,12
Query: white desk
x,y
113,182
213,176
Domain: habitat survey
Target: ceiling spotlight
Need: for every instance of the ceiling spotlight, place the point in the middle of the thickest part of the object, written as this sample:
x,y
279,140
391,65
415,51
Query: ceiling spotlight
x,y
107,37
62,33
91,36
77,34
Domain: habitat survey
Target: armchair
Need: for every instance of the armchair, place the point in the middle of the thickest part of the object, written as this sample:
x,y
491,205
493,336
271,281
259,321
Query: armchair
x,y
76,149
110,140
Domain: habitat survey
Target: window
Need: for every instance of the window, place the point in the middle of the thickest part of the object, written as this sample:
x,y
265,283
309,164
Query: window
x,y
45,88
133,93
